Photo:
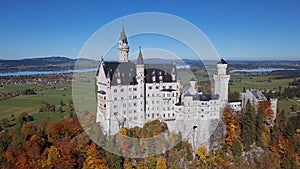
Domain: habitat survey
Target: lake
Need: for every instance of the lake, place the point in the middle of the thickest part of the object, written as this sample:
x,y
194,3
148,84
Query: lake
x,y
26,73
259,70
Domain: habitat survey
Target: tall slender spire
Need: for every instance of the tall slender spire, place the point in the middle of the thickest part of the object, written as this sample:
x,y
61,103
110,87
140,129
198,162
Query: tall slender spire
x,y
140,60
123,36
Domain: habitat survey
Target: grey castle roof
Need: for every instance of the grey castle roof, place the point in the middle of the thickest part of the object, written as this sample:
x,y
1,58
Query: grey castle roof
x,y
222,61
205,97
126,71
164,70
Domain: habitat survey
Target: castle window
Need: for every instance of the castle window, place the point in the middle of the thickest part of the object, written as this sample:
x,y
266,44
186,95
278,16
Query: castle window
x,y
122,98
104,97
104,106
164,115
170,87
115,90
115,98
150,87
115,106
157,87
130,89
173,114
134,111
134,89
164,87
122,90
134,104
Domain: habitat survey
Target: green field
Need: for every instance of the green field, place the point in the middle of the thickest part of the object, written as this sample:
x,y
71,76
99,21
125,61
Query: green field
x,y
31,103
259,83
49,115
286,104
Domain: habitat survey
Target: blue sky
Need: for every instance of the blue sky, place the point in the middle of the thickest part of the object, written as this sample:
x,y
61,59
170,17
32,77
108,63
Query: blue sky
x,y
238,29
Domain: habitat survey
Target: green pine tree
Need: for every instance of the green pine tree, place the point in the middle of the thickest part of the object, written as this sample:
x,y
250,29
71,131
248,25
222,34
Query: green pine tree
x,y
248,126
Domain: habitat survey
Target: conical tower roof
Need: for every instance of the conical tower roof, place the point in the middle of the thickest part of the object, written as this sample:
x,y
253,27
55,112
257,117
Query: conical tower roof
x,y
123,36
222,61
140,60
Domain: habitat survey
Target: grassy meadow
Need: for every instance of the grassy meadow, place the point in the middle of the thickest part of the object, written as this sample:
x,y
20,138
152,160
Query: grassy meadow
x,y
31,103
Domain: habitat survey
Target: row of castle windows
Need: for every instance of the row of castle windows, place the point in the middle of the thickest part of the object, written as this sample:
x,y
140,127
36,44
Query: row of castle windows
x,y
122,90
157,87
165,109
157,102
164,95
164,115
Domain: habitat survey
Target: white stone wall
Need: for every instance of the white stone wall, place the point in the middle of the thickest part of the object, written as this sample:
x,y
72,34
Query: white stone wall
x,y
235,106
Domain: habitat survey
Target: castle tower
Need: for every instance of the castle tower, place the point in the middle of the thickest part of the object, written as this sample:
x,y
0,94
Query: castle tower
x,y
123,46
221,81
140,77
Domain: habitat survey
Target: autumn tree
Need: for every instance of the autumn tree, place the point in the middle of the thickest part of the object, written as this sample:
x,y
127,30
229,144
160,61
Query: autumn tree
x,y
231,127
161,163
204,157
94,159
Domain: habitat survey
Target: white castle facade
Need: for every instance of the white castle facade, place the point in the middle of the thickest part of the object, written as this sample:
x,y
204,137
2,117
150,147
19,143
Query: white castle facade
x,y
131,94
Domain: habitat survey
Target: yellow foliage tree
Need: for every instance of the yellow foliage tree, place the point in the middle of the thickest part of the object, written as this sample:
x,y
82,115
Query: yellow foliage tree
x,y
94,160
161,163
205,157
231,127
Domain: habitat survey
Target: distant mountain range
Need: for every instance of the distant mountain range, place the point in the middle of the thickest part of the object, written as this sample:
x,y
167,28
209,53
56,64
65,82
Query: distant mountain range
x,y
63,63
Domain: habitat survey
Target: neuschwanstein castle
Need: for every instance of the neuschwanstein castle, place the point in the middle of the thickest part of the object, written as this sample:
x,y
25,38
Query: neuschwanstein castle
x,y
131,94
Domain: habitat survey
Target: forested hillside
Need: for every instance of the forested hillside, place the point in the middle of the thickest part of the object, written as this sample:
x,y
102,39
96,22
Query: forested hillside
x,y
249,142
